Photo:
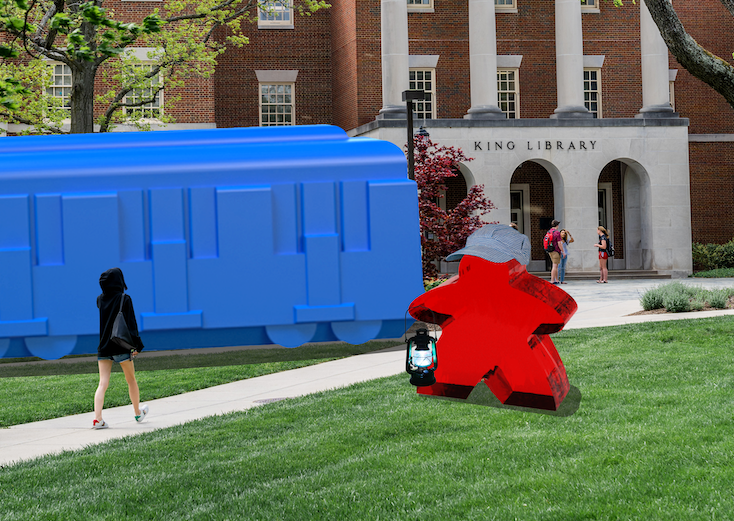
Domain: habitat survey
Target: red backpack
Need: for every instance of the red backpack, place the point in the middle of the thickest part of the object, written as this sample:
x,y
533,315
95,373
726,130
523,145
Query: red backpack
x,y
548,242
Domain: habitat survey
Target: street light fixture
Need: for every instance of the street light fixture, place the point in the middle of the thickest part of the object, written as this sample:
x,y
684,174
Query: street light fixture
x,y
409,96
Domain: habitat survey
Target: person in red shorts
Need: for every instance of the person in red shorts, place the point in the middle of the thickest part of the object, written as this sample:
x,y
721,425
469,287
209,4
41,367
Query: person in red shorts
x,y
603,255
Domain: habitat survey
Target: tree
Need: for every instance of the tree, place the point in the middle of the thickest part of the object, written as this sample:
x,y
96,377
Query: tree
x,y
443,232
89,39
702,64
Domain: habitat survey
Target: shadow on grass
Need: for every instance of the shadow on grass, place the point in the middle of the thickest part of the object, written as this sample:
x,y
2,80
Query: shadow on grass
x,y
481,395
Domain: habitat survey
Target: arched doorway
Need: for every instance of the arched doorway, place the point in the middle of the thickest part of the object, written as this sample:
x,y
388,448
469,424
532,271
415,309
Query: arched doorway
x,y
533,207
623,208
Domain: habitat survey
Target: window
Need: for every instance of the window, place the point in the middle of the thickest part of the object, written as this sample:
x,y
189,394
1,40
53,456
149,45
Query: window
x,y
61,84
590,5
420,4
508,93
152,109
592,91
276,14
276,104
505,5
425,80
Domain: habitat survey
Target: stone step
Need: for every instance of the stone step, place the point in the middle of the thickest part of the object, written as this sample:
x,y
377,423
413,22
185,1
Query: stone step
x,y
613,274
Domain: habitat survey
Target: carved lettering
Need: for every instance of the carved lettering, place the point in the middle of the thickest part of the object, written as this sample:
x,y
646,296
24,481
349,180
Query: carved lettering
x,y
592,144
582,145
548,145
510,145
498,145
477,145
570,146
559,145
529,147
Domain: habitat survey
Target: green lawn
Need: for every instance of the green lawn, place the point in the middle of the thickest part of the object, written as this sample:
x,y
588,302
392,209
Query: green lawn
x,y
51,390
647,433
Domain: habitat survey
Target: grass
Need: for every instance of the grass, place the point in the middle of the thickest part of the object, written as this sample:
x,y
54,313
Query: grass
x,y
676,297
719,273
52,390
649,437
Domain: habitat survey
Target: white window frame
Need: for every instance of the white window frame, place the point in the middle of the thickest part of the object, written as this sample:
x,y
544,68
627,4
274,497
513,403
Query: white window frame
x,y
598,90
419,84
516,91
420,6
590,6
130,96
268,18
276,104
54,86
672,75
505,6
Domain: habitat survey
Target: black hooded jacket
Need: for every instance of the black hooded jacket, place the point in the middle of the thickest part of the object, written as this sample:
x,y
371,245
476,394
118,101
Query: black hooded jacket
x,y
112,283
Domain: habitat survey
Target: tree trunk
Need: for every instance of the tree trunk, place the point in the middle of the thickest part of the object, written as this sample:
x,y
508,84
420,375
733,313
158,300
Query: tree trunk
x,y
82,97
702,64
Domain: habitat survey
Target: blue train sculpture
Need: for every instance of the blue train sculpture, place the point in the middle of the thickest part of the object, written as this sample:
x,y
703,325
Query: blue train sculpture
x,y
226,237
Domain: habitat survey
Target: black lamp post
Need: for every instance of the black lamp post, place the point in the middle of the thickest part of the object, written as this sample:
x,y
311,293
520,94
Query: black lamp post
x,y
409,96
422,359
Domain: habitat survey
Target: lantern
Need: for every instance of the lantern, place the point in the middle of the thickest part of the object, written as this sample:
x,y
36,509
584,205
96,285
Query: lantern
x,y
422,359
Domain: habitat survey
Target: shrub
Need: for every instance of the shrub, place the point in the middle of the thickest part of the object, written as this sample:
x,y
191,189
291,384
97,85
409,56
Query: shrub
x,y
713,256
719,273
718,299
697,305
652,299
429,284
676,301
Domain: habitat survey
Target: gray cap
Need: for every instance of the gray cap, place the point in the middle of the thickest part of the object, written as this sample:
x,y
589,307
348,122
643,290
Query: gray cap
x,y
496,243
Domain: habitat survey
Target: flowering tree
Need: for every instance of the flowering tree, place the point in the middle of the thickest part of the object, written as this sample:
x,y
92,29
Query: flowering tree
x,y
443,232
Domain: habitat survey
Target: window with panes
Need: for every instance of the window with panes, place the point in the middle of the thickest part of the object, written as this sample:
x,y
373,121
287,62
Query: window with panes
x,y
275,13
61,84
505,4
421,4
592,91
148,91
589,4
276,104
425,80
508,93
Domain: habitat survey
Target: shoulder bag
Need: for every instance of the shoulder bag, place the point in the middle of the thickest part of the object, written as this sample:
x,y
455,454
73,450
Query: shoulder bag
x,y
120,333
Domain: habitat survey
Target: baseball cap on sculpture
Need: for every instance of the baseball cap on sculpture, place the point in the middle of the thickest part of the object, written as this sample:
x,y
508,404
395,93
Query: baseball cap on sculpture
x,y
496,243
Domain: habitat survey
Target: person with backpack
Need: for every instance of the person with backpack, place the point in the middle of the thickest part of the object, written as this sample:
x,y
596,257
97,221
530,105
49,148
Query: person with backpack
x,y
112,301
603,246
554,248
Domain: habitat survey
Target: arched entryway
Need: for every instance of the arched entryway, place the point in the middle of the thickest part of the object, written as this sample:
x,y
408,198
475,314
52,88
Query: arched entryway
x,y
534,203
623,208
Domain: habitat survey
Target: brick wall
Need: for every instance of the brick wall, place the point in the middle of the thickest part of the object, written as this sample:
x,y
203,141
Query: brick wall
x,y
712,192
306,48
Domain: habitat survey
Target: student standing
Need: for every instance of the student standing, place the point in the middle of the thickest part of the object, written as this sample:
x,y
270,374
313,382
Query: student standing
x,y
603,255
566,239
555,255
109,302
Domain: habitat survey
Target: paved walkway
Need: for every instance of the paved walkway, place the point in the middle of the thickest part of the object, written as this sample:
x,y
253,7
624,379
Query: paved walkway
x,y
599,305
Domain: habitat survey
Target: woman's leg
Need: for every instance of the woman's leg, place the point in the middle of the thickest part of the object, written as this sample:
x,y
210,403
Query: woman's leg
x,y
601,270
562,269
604,270
105,368
132,384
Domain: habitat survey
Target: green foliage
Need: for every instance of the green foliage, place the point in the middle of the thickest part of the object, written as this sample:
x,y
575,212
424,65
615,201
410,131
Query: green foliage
x,y
713,256
719,273
429,284
676,297
645,434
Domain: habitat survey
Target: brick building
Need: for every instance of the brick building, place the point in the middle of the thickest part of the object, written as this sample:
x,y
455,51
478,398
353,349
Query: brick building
x,y
591,120
572,110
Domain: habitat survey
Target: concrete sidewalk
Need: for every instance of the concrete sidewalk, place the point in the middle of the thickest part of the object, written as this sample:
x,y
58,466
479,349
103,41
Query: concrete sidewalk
x,y
599,305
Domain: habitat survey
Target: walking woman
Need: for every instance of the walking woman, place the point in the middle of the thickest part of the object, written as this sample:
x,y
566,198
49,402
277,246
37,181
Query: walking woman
x,y
566,239
113,287
603,255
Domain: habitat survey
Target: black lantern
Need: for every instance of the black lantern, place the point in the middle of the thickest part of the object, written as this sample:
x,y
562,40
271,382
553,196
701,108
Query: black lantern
x,y
422,359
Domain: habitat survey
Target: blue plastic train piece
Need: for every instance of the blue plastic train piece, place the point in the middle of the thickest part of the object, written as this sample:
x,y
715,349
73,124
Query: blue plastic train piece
x,y
226,237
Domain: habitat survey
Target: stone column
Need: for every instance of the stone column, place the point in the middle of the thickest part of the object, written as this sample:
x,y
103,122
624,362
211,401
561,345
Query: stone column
x,y
395,68
655,90
483,61
569,61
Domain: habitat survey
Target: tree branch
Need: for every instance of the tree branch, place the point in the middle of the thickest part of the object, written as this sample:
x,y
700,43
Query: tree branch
x,y
21,120
729,4
702,64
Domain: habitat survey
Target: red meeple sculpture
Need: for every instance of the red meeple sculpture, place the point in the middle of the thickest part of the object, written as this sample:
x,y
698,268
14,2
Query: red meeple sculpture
x,y
495,319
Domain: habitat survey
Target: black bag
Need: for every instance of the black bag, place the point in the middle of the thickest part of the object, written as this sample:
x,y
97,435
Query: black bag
x,y
610,248
120,333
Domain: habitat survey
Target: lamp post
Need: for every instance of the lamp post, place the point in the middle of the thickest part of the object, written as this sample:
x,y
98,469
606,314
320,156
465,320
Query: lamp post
x,y
409,96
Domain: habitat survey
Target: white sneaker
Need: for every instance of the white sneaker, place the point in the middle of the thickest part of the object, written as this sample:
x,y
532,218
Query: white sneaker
x,y
96,424
143,413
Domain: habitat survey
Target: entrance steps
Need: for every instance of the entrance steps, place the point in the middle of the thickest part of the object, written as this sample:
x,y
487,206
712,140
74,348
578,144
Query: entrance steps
x,y
613,274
